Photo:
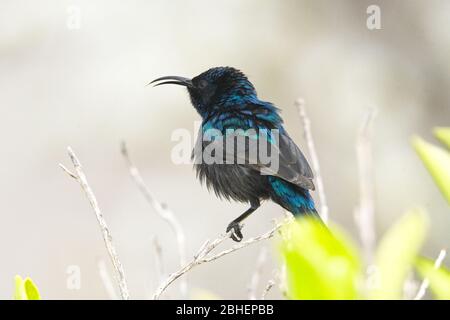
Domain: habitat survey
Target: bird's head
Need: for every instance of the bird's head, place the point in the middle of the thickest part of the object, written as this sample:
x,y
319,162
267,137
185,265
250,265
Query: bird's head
x,y
214,88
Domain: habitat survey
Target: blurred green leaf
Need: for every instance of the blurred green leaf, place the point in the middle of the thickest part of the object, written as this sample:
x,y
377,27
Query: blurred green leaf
x,y
443,134
437,161
319,265
25,289
19,289
439,278
31,290
396,254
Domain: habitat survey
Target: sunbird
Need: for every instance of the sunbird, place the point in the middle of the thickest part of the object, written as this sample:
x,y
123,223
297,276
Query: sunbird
x,y
228,103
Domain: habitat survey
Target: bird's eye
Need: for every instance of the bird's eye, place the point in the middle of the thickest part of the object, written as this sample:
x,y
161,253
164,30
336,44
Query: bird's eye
x,y
202,84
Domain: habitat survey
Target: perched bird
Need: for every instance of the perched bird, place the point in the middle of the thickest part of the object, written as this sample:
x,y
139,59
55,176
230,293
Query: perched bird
x,y
227,101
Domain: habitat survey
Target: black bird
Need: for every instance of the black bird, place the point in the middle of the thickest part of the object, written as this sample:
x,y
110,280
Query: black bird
x,y
227,101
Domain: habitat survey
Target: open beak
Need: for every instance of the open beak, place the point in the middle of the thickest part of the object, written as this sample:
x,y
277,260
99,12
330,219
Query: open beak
x,y
173,80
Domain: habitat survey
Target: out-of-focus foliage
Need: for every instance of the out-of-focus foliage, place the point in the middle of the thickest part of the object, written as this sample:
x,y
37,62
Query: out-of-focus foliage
x,y
396,253
439,278
320,264
324,264
443,134
436,160
25,289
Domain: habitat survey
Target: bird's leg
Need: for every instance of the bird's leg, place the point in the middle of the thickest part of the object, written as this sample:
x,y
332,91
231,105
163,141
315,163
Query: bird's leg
x,y
236,235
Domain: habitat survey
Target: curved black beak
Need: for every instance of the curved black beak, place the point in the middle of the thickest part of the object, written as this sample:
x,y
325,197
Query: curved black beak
x,y
173,80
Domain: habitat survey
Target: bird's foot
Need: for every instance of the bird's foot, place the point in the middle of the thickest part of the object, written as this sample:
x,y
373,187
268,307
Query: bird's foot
x,y
236,234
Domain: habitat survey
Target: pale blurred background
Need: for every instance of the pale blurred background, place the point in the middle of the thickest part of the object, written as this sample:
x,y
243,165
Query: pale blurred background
x,y
85,87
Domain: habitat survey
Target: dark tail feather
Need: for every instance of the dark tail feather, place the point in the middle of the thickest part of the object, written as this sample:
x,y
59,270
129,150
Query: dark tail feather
x,y
293,198
304,211
300,205
311,212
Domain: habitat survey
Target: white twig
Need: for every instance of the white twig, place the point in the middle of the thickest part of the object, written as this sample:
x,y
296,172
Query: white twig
x,y
204,250
158,260
364,213
203,255
281,278
268,287
106,279
81,179
300,103
256,276
425,283
162,210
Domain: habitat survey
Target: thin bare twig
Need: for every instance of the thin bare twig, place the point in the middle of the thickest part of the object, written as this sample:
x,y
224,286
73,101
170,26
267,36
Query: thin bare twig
x,y
300,103
268,287
281,278
364,213
203,255
256,276
82,180
425,283
204,250
106,279
158,260
162,210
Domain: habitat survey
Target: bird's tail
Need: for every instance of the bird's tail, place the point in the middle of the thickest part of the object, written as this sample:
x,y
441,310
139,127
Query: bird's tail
x,y
312,212
305,206
293,198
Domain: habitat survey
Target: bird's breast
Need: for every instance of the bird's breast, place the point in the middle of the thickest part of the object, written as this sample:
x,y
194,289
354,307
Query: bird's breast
x,y
233,181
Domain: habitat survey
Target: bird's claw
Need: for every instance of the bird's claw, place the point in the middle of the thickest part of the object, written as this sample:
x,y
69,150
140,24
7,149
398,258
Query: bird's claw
x,y
236,234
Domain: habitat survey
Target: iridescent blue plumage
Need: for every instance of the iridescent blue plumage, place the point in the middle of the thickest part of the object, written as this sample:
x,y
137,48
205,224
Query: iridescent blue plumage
x,y
227,101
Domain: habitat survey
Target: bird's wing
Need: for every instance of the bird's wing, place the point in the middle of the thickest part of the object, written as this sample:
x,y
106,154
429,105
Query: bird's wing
x,y
291,165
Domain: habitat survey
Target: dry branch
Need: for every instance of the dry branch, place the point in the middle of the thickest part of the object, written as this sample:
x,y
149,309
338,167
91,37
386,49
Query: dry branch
x,y
364,213
425,283
203,255
300,103
162,210
268,287
256,276
82,180
158,260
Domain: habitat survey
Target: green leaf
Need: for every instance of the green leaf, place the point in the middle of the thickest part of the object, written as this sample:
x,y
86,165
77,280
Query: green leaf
x,y
19,291
25,289
319,264
439,278
396,254
31,290
437,161
443,134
